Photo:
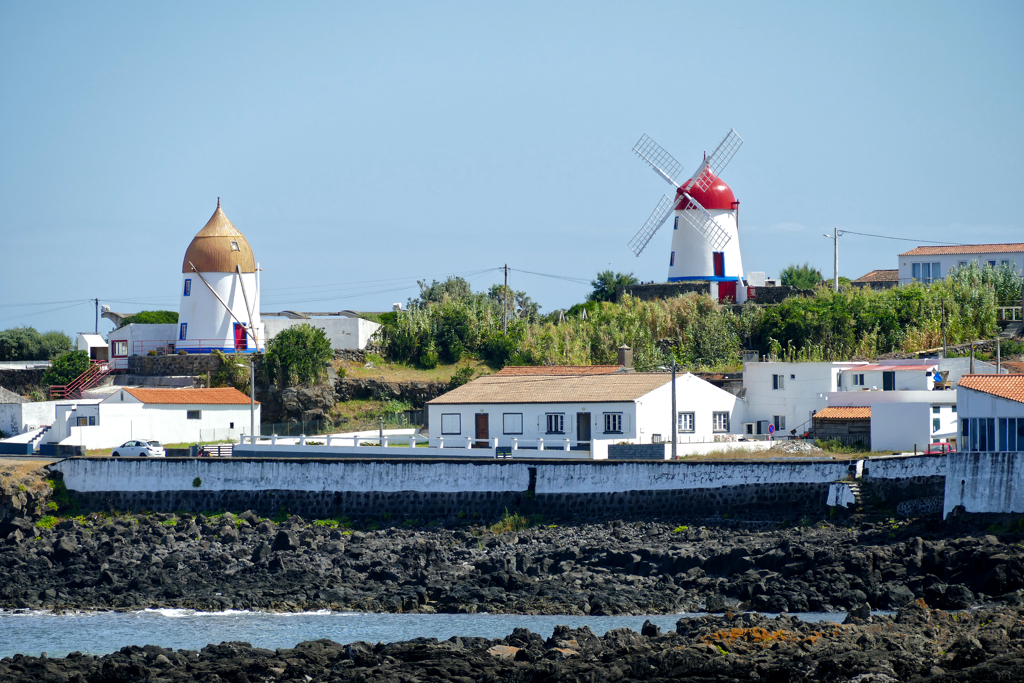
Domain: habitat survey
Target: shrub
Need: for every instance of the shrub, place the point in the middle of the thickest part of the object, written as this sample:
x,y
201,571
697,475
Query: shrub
x,y
510,522
25,343
460,377
150,318
606,283
804,277
66,368
298,355
47,522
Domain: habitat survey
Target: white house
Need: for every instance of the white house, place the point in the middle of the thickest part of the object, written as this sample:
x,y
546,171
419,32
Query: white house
x,y
987,473
166,415
893,375
345,333
927,264
220,292
138,340
582,412
94,345
904,420
787,395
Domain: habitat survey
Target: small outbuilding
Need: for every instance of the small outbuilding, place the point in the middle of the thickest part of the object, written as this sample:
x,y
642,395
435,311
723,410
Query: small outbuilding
x,y
849,424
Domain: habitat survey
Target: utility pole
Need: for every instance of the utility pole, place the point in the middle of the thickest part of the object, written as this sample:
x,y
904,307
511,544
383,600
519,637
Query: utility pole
x,y
504,304
836,233
674,431
97,316
945,354
252,398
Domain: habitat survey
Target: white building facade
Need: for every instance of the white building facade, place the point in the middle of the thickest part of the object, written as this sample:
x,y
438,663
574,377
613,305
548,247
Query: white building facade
x,y
786,395
928,264
905,420
343,333
139,340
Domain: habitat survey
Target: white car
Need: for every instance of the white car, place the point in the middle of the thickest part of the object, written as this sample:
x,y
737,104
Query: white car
x,y
139,449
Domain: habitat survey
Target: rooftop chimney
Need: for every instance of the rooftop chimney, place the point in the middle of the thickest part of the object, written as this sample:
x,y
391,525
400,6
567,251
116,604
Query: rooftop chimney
x,y
626,357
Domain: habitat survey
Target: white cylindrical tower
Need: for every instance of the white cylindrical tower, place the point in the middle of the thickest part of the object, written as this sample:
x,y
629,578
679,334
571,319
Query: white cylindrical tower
x,y
692,257
220,298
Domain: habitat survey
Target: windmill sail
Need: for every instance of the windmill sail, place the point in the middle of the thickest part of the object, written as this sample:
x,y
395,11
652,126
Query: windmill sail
x,y
718,160
657,219
697,216
663,163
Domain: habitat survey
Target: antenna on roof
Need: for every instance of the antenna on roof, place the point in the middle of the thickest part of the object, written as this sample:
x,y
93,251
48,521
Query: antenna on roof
x,y
218,202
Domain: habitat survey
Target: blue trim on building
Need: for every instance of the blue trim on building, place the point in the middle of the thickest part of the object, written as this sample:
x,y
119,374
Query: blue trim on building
x,y
705,278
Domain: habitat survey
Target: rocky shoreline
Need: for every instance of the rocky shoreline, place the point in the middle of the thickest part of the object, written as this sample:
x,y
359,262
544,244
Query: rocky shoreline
x,y
129,562
918,644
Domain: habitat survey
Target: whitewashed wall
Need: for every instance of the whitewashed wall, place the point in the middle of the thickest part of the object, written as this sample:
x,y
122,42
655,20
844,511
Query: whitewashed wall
x,y
948,262
900,419
344,333
806,389
985,482
15,418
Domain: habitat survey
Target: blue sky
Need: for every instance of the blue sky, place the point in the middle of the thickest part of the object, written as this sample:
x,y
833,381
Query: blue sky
x,y
363,146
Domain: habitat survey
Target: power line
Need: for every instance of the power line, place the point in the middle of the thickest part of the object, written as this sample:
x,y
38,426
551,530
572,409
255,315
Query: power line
x,y
50,310
557,277
47,303
903,239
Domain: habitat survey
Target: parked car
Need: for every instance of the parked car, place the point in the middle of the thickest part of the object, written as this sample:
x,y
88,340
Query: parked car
x,y
939,449
139,449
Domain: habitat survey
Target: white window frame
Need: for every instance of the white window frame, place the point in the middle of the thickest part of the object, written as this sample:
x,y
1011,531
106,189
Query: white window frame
x,y
780,422
556,421
778,382
613,423
858,379
720,422
446,424
120,349
507,428
685,423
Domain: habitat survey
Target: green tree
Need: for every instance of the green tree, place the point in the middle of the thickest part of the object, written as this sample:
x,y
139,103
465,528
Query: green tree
x,y
25,343
65,368
606,282
804,277
452,289
150,318
297,356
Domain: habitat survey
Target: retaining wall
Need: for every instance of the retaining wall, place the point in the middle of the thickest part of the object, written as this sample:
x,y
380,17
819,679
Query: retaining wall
x,y
445,487
984,483
177,364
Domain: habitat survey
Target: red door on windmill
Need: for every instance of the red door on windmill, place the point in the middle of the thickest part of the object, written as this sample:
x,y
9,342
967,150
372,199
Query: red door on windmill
x,y
241,341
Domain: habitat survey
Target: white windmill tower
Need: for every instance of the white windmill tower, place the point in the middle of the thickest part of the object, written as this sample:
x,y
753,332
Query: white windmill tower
x,y
705,243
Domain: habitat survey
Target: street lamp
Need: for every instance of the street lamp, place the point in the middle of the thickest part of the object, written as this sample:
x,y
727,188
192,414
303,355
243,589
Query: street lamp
x,y
836,233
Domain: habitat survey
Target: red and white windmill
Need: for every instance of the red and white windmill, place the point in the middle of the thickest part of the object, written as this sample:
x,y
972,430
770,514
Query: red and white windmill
x,y
705,243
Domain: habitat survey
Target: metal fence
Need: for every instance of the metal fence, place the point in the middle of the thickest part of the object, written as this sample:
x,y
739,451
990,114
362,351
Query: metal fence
x,y
316,427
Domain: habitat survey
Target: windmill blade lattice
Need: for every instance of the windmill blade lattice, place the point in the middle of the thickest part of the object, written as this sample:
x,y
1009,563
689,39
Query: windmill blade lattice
x,y
663,163
719,159
657,219
697,216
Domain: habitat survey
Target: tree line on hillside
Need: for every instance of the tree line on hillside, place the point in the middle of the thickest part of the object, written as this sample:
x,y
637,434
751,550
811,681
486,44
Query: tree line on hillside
x,y
693,329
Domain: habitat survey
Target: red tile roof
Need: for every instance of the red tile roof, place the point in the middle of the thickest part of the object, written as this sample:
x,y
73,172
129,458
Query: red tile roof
x,y
1013,247
844,413
1010,387
222,396
888,368
574,370
892,275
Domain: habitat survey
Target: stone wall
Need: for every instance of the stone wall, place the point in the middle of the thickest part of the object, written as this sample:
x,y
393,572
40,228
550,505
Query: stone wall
x,y
645,451
662,290
192,364
21,381
775,295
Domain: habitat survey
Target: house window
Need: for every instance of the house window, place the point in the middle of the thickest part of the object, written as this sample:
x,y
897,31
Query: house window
x,y
778,381
962,264
926,272
188,287
979,434
684,422
194,415
936,424
672,259
1004,262
83,422
231,425
556,423
720,422
121,348
992,263
954,407
936,410
675,224
613,423
451,423
184,329
92,420
1011,434
512,423
780,422
234,246
858,379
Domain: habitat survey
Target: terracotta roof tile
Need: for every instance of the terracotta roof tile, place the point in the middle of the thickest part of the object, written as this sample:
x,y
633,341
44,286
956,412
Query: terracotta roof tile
x,y
533,370
1010,387
556,388
1013,247
892,275
844,413
222,396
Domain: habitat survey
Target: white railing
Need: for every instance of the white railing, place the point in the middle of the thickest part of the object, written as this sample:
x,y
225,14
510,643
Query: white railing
x,y
1015,313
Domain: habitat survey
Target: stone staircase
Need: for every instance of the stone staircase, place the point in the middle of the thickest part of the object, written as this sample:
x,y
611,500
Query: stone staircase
x,y
1013,330
855,490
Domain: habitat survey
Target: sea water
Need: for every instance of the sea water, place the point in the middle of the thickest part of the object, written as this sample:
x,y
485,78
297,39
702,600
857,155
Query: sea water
x,y
35,632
